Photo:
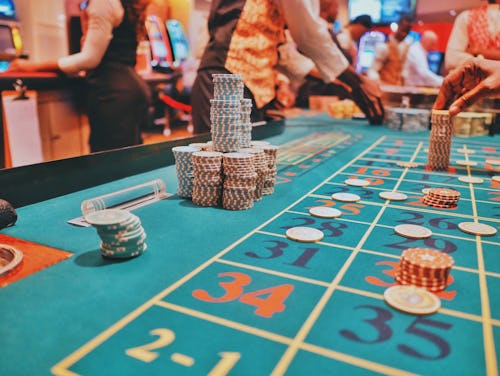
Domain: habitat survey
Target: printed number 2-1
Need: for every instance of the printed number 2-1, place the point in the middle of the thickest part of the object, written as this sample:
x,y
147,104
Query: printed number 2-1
x,y
145,354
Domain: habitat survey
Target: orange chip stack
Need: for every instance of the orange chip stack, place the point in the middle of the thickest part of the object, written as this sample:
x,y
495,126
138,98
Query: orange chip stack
x,y
442,198
424,267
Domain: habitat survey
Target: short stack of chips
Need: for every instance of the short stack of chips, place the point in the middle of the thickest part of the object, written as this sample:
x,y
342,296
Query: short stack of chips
x,y
207,182
260,166
440,141
225,112
121,233
239,181
184,169
271,152
246,124
424,267
443,198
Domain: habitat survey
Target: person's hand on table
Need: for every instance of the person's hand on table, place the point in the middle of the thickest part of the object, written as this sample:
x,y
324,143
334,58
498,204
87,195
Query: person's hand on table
x,y
21,65
466,84
368,98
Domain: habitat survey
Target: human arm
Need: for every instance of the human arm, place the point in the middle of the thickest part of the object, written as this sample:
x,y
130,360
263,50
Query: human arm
x,y
312,37
456,49
381,53
473,80
103,16
416,70
486,53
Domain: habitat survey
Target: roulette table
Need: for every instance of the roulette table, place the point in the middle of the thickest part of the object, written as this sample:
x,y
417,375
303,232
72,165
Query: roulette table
x,y
224,292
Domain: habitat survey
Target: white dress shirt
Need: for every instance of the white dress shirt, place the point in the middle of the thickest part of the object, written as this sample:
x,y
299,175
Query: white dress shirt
x,y
416,71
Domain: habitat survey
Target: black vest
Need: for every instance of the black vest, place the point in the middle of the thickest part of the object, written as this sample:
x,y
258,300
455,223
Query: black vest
x,y
122,48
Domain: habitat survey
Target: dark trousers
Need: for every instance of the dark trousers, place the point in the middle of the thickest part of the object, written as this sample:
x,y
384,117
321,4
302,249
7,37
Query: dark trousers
x,y
203,91
117,106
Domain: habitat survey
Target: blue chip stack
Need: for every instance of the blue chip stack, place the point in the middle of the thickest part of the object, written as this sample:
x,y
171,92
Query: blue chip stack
x,y
207,183
225,112
184,169
246,124
260,166
122,235
239,181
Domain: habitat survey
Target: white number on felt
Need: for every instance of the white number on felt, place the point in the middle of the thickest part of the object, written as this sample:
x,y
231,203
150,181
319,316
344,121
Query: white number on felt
x,y
144,353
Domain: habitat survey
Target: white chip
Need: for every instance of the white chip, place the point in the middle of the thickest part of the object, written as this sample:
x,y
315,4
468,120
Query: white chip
x,y
493,162
466,163
475,228
496,178
357,182
395,196
412,299
325,212
466,151
407,164
470,179
304,234
346,197
426,191
413,231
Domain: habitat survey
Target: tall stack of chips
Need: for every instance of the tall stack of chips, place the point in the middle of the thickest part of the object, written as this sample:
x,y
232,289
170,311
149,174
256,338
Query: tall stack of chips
x,y
184,169
271,152
440,140
207,182
239,181
121,233
442,198
260,166
225,112
424,267
246,125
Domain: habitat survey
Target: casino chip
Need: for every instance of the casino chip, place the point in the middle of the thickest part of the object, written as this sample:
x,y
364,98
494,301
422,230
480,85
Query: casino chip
x,y
470,179
441,198
496,178
466,163
122,235
345,197
466,151
304,234
394,196
407,164
357,182
413,231
324,212
411,299
8,215
475,228
493,161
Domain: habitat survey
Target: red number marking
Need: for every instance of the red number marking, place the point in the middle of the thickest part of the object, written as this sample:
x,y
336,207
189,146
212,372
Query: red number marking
x,y
266,307
272,303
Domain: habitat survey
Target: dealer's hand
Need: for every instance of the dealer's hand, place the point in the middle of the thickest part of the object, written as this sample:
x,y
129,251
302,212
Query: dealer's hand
x,y
465,85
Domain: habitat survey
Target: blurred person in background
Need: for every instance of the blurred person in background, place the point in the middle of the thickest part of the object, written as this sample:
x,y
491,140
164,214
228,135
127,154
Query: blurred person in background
x,y
416,71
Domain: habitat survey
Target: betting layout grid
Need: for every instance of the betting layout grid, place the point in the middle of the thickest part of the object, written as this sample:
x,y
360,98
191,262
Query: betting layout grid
x,y
331,291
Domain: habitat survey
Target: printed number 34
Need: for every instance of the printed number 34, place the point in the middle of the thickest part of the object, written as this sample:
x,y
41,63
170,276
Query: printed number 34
x,y
272,302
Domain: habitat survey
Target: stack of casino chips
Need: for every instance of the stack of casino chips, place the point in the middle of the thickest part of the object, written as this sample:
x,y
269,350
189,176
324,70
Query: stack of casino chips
x,y
184,169
440,140
225,112
239,181
121,233
443,198
207,182
424,267
246,124
260,165
271,152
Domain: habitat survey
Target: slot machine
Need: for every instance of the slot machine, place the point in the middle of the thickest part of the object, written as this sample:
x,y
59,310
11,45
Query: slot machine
x,y
11,44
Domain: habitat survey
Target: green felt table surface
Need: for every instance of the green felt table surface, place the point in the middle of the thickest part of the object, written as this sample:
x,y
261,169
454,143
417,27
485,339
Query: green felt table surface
x,y
226,292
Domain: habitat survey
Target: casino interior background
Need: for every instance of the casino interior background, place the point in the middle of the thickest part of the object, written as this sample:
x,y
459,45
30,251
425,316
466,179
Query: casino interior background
x,y
49,29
